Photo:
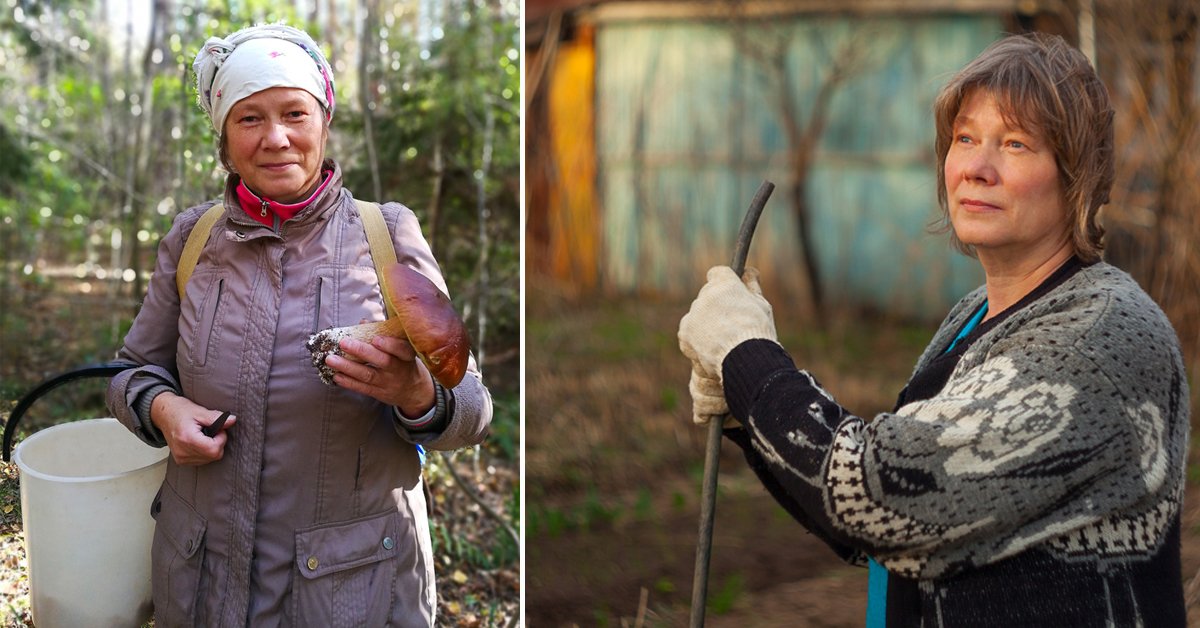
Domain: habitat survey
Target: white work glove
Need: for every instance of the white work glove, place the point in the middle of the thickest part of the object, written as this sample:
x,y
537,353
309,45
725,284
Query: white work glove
x,y
728,311
708,399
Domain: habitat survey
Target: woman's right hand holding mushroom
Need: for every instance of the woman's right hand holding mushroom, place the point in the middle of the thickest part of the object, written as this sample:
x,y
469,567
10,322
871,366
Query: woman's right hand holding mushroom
x,y
386,369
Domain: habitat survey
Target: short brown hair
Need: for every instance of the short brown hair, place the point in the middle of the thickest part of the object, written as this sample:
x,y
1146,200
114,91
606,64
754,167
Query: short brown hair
x,y
1043,85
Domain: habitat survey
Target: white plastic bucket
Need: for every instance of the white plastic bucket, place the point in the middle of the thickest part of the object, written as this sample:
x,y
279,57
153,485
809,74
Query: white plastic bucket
x,y
86,489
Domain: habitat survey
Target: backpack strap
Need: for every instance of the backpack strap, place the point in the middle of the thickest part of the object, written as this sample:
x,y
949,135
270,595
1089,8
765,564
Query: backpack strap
x,y
379,239
195,243
383,252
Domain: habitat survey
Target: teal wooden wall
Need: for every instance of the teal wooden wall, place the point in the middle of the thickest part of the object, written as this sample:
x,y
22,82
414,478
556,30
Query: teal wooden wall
x,y
687,127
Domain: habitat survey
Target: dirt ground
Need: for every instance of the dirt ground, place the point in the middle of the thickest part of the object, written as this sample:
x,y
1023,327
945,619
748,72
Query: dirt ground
x,y
613,469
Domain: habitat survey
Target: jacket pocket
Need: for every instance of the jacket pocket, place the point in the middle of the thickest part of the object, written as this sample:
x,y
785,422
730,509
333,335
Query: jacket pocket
x,y
206,322
177,557
322,319
345,572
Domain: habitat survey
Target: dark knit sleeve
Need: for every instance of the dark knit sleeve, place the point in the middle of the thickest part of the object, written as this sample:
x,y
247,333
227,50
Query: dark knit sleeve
x,y
749,366
752,368
789,503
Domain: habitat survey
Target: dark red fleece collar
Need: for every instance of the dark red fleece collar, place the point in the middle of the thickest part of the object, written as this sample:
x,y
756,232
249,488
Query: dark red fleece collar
x,y
264,209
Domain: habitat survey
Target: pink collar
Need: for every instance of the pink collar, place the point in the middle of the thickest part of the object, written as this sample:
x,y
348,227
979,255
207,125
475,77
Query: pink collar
x,y
261,208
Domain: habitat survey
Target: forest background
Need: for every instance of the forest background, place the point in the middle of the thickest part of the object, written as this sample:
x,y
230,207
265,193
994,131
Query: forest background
x,y
102,144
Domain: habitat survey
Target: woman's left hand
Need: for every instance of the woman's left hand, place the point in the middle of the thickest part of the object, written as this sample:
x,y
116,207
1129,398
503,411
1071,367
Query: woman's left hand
x,y
728,311
387,369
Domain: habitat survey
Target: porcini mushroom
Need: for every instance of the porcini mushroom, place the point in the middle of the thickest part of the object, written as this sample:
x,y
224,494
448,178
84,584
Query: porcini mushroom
x,y
423,315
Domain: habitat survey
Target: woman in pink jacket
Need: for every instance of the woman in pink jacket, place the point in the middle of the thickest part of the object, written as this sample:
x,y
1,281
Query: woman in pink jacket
x,y
306,508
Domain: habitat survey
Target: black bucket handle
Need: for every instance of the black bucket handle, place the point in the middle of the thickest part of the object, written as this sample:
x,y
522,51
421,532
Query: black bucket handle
x,y
106,369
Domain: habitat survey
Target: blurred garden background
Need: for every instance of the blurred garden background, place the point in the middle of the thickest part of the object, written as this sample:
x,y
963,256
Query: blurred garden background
x,y
649,126
102,144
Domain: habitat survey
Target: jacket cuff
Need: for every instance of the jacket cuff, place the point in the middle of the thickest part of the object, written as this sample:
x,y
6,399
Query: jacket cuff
x,y
433,421
747,369
141,407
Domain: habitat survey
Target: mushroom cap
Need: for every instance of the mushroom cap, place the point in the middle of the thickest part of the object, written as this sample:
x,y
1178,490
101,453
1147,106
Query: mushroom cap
x,y
430,322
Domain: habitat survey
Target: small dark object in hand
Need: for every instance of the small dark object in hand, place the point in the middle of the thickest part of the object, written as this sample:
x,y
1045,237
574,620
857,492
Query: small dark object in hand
x,y
211,430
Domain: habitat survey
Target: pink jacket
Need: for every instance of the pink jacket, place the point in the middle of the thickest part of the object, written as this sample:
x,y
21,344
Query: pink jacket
x,y
316,515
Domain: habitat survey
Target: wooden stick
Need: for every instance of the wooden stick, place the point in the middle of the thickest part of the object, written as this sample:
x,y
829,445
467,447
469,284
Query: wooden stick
x,y
712,452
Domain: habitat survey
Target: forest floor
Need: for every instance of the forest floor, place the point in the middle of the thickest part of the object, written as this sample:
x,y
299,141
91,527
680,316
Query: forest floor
x,y
613,468
49,326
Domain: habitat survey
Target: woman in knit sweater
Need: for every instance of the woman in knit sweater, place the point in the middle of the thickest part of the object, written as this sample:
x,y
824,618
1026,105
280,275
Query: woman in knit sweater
x,y
1032,471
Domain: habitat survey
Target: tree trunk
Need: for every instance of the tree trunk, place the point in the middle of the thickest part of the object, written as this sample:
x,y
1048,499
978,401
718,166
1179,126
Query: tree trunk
x,y
128,133
6,284
107,129
484,240
801,146
435,195
366,49
331,31
139,160
485,169
803,214
181,191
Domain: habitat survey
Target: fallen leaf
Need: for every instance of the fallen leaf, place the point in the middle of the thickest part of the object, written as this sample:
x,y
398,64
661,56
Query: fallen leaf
x,y
459,577
453,608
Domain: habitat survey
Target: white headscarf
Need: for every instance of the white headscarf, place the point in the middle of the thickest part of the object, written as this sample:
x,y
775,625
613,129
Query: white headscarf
x,y
257,58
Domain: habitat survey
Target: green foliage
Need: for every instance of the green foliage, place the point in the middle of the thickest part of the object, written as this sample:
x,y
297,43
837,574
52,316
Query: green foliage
x,y
16,165
643,508
664,585
446,110
594,512
545,521
506,425
721,600
112,141
490,553
670,398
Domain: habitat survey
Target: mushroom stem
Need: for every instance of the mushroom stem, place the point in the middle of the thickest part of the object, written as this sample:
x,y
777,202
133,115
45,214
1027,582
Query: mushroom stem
x,y
366,332
326,342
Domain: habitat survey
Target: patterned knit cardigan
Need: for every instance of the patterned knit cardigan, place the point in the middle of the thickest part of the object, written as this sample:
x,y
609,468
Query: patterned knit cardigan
x,y
1031,476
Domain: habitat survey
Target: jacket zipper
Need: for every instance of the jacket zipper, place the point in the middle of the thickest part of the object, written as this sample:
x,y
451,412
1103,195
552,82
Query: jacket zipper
x,y
265,205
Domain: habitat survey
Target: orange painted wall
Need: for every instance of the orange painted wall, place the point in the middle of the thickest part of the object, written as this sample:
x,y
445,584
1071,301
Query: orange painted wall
x,y
573,212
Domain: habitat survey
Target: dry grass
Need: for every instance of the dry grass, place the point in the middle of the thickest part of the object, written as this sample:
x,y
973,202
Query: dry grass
x,y
606,387
613,461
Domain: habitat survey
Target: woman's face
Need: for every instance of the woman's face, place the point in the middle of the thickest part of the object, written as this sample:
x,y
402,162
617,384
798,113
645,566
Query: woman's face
x,y
275,140
1002,184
